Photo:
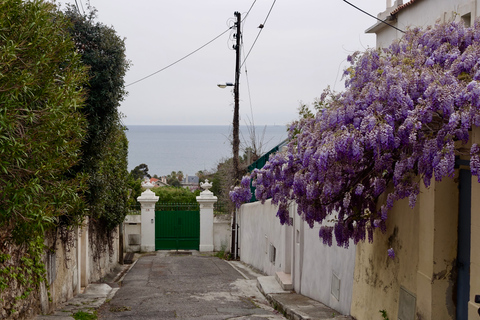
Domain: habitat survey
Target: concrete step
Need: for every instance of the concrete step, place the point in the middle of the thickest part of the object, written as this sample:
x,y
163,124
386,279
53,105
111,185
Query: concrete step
x,y
269,285
128,259
285,280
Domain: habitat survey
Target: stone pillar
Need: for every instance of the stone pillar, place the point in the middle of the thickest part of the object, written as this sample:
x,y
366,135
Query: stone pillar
x,y
147,200
206,201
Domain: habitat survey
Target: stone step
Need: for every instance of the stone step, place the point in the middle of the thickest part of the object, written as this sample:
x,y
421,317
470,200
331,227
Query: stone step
x,y
128,258
269,285
285,280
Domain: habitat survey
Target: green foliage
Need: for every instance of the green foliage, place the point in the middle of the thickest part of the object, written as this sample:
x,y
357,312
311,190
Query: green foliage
x,y
222,254
134,190
384,314
104,52
24,274
104,151
41,128
175,195
81,315
41,131
140,172
110,181
174,179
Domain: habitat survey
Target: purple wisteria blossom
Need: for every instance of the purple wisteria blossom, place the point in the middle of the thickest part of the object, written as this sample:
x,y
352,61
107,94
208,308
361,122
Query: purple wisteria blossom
x,y
391,253
406,113
242,193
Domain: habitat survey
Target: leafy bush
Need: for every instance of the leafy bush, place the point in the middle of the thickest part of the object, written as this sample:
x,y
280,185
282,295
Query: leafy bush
x,y
175,195
41,126
41,131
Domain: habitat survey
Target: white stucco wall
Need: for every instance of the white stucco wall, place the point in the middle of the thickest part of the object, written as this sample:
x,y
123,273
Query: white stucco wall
x,y
320,263
222,232
260,228
299,251
424,13
131,233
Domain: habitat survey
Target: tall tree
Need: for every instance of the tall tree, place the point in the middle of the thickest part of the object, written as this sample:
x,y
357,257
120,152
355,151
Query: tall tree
x,y
104,152
140,172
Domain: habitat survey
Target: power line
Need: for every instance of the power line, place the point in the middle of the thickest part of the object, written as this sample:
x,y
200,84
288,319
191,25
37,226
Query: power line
x,y
261,29
246,15
388,24
177,61
248,88
82,6
78,8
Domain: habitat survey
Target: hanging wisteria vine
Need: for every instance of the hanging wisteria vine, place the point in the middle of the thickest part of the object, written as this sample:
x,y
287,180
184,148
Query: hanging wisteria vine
x,y
405,114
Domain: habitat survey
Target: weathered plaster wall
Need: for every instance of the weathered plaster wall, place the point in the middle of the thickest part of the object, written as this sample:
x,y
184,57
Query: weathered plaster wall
x,y
62,270
425,242
10,307
475,240
74,265
103,256
377,278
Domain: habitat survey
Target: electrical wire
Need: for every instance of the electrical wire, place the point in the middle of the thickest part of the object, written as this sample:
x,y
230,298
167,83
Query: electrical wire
x,y
177,61
78,8
248,89
82,7
246,15
261,29
368,14
184,57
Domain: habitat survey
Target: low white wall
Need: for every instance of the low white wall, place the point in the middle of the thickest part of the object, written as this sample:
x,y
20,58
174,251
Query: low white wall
x,y
222,233
320,265
259,229
299,251
132,233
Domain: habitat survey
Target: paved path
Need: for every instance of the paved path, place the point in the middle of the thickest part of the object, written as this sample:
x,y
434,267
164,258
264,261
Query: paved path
x,y
168,286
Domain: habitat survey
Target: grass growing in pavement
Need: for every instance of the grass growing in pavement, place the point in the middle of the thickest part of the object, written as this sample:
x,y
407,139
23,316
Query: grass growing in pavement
x,y
81,315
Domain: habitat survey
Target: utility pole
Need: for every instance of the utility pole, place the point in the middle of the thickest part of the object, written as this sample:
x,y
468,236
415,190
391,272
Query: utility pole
x,y
236,128
236,120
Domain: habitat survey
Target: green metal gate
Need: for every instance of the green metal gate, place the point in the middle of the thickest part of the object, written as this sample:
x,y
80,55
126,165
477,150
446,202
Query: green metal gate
x,y
177,226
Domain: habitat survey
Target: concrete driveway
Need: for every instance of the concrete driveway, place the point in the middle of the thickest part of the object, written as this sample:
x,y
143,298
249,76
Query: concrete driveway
x,y
174,286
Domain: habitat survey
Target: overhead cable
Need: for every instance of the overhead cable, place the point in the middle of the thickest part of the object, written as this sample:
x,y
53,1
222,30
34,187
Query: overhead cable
x,y
246,15
78,8
177,61
82,6
261,29
383,21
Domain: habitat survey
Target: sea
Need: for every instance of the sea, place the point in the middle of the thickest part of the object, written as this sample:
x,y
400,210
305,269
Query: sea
x,y
191,149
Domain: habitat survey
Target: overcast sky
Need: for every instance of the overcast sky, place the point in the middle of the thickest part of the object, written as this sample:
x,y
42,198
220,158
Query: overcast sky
x,y
301,50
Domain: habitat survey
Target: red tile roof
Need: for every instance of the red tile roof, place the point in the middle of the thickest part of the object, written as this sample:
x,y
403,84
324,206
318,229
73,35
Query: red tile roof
x,y
403,6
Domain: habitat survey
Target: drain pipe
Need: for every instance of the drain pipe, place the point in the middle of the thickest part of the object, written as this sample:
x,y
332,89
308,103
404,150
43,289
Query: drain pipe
x,y
236,234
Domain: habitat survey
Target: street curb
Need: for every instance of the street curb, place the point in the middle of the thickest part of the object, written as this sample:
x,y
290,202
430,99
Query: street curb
x,y
295,306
